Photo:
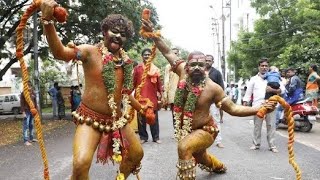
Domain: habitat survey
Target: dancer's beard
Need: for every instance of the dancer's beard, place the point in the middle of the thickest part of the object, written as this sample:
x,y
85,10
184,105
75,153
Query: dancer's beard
x,y
197,76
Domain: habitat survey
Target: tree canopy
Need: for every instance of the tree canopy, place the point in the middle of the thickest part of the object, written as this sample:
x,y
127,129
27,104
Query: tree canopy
x,y
287,33
83,24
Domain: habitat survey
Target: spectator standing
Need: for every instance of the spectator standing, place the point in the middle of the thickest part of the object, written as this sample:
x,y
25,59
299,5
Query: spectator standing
x,y
53,93
279,109
243,92
71,99
76,96
294,87
216,76
312,87
170,85
227,90
232,92
236,94
61,106
257,88
150,89
28,120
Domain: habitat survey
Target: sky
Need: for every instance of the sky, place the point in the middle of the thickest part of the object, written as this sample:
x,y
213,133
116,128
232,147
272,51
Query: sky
x,y
187,23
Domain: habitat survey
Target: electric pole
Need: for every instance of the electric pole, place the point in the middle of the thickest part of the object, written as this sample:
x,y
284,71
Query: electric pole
x,y
36,64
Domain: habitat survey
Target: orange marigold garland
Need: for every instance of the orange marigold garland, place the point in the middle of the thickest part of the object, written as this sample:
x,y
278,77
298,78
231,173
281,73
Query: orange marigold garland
x,y
110,62
183,109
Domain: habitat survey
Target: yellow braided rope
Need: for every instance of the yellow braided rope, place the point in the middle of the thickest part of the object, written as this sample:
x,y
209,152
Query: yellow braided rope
x,y
25,78
145,34
290,122
145,72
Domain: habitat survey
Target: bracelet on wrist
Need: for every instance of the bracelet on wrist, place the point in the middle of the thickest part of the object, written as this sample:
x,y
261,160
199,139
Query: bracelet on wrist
x,y
142,110
47,22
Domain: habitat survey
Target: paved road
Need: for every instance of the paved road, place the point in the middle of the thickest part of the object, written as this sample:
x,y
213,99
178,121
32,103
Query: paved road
x,y
20,162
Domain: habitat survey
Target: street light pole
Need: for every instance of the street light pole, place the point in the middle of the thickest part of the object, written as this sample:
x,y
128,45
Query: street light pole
x,y
216,30
228,5
230,24
223,63
36,64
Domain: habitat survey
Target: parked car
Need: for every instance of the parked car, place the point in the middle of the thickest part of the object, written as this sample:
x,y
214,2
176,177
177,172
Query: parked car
x,y
10,103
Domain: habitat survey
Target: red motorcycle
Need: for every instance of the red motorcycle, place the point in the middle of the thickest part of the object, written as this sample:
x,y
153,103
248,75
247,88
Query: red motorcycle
x,y
304,115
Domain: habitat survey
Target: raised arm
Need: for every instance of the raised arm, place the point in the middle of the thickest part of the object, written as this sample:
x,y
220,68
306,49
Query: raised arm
x,y
58,50
225,103
162,46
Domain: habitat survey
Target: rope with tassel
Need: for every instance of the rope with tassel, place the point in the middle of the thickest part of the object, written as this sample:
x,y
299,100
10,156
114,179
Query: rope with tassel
x,y
145,34
146,16
290,121
25,77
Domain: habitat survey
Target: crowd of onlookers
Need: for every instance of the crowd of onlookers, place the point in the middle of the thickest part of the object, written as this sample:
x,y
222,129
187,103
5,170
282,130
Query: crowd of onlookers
x,y
268,82
291,79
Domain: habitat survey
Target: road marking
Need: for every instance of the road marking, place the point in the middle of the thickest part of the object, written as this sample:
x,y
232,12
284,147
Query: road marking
x,y
297,136
276,178
299,141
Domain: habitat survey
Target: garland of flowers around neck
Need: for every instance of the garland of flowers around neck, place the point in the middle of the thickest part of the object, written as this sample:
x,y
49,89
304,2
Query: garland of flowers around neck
x,y
183,110
110,63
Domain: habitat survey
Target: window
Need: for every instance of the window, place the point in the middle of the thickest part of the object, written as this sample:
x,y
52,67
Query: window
x,y
6,99
11,98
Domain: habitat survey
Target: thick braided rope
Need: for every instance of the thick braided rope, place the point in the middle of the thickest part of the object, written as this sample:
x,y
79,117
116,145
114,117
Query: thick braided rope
x,y
288,114
25,78
145,72
145,34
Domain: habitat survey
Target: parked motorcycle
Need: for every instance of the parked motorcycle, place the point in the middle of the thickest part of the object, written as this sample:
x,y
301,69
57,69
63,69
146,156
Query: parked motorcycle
x,y
304,115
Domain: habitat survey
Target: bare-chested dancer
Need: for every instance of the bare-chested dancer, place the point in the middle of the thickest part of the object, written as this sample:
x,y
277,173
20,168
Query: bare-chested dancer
x,y
108,76
195,129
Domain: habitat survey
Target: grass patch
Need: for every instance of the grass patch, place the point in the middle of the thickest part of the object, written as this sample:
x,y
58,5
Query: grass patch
x,y
49,110
12,129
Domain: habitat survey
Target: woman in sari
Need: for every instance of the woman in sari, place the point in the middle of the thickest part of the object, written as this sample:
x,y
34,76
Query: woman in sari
x,y
312,87
61,106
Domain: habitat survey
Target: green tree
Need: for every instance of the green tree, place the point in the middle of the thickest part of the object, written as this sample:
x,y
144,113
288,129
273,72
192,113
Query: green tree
x,y
51,71
83,24
287,33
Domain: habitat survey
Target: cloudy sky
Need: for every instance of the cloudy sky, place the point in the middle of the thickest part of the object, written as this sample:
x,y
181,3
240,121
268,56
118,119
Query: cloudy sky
x,y
188,23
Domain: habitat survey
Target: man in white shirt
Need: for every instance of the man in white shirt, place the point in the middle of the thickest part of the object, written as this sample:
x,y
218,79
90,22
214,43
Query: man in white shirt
x,y
171,80
258,87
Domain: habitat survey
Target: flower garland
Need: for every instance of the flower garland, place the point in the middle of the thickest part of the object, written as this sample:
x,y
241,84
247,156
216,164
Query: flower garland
x,y
110,63
183,109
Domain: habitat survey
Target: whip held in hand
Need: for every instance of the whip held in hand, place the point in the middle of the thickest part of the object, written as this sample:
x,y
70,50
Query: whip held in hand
x,y
60,15
288,115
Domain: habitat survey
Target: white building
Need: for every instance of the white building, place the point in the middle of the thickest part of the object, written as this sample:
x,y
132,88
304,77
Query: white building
x,y
243,17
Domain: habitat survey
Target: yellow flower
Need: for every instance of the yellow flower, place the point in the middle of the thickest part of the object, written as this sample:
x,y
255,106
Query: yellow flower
x,y
120,176
117,158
